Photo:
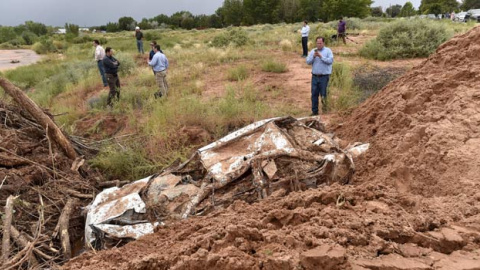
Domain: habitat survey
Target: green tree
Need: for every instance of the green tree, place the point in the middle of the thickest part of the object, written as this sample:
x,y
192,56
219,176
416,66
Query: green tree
x,y
72,29
38,29
470,4
438,6
232,12
333,9
407,10
112,27
309,10
376,11
262,11
288,10
7,33
393,11
126,23
145,24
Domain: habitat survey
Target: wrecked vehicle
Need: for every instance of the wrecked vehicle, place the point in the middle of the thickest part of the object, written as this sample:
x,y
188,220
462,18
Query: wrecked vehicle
x,y
249,164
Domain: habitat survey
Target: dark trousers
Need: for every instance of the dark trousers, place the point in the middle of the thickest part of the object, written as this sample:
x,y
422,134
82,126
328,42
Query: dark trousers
x,y
305,46
319,87
114,84
342,35
101,68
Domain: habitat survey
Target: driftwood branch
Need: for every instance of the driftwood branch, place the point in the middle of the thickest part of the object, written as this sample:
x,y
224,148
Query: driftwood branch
x,y
25,102
7,222
62,228
113,183
23,242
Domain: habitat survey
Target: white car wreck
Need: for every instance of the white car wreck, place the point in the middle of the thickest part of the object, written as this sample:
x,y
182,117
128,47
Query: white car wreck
x,y
248,164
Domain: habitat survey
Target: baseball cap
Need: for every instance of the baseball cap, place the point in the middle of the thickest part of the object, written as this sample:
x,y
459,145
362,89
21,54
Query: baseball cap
x,y
136,28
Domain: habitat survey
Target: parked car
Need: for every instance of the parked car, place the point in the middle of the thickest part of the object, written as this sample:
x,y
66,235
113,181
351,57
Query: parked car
x,y
474,14
460,17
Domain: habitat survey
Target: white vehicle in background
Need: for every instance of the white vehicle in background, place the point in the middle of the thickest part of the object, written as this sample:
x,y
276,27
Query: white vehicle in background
x,y
474,14
460,17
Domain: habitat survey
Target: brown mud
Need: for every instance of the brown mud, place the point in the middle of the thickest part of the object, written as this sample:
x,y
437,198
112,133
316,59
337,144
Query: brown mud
x,y
414,202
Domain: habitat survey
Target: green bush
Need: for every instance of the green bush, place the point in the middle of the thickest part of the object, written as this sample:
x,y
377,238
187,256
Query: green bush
x,y
238,73
127,65
406,39
44,46
235,36
272,66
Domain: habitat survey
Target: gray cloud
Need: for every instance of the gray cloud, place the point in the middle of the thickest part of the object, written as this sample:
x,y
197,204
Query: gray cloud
x,y
95,12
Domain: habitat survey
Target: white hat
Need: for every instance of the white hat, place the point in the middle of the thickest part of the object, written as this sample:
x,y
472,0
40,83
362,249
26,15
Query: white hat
x,y
137,28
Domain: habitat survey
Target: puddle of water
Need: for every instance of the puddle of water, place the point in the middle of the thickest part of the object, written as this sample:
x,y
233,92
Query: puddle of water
x,y
10,59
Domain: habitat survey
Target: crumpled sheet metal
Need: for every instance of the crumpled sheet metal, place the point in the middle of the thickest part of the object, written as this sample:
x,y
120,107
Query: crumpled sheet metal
x,y
246,158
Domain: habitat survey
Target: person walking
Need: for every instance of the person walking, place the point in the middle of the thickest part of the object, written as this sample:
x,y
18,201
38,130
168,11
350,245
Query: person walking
x,y
341,30
111,69
305,32
321,59
159,63
139,37
99,55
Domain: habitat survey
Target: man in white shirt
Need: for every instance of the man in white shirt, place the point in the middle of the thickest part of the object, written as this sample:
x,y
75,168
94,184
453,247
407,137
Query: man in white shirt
x,y
99,55
305,32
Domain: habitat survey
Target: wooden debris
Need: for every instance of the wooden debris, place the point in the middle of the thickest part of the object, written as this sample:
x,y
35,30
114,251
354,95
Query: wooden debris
x,y
25,102
62,228
7,222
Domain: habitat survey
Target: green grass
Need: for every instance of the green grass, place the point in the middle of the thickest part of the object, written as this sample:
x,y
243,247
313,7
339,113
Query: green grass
x,y
238,73
274,66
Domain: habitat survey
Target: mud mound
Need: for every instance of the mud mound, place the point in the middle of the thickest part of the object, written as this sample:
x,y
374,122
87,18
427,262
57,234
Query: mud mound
x,y
424,127
415,202
33,168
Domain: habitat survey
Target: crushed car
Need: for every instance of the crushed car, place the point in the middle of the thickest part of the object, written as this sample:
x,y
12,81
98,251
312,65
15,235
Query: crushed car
x,y
278,154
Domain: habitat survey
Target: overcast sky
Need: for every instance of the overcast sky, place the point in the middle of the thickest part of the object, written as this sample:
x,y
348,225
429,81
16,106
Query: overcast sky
x,y
100,12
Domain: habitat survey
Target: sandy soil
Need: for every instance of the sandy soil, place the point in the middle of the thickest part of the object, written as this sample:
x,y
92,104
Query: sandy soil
x,y
26,57
414,202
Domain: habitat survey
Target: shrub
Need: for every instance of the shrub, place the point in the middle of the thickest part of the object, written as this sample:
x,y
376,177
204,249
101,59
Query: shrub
x,y
127,65
235,36
44,46
238,73
286,45
406,39
272,66
352,24
341,93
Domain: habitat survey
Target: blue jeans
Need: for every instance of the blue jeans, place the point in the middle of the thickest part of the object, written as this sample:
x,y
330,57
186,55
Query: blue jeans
x,y
102,72
319,87
140,46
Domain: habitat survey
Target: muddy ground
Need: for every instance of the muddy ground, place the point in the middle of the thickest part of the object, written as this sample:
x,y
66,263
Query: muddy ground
x,y
10,59
414,202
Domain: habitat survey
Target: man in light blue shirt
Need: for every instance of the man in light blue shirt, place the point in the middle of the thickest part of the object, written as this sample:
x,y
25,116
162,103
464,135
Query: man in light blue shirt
x,y
159,64
305,32
321,59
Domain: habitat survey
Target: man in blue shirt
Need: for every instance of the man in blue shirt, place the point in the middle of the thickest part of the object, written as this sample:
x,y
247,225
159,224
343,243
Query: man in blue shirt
x,y
159,64
321,59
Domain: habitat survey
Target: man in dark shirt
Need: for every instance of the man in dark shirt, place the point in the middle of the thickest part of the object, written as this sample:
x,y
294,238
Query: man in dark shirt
x,y
139,37
111,69
342,28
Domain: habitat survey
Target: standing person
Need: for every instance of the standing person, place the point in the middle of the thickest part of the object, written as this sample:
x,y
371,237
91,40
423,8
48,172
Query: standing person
x,y
159,64
305,32
111,69
99,55
341,30
139,37
152,52
321,59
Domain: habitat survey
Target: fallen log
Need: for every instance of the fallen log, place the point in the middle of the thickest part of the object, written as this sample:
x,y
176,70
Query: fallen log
x,y
25,102
62,228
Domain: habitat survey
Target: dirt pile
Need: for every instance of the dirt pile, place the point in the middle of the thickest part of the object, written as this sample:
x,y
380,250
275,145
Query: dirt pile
x,y
38,173
414,203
